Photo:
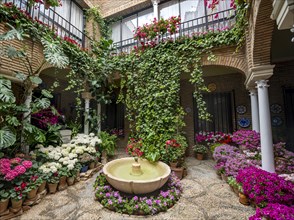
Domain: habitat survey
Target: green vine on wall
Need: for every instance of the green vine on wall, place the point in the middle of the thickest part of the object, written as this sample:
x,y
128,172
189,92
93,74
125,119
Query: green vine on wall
x,y
150,83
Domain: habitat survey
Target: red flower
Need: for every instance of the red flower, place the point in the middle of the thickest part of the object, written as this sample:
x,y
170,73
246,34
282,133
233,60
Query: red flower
x,y
16,189
23,185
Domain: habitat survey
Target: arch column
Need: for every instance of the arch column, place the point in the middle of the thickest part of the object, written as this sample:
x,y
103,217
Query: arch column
x,y
254,109
87,97
266,138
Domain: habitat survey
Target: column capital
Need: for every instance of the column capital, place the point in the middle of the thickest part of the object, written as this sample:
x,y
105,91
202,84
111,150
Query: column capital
x,y
86,95
253,92
262,83
155,2
259,73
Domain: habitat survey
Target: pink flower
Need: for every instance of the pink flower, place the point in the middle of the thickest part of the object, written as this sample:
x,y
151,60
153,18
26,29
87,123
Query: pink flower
x,y
20,169
11,175
16,160
27,164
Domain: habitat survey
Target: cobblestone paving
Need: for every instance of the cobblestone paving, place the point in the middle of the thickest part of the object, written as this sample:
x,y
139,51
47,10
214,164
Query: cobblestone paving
x,y
205,196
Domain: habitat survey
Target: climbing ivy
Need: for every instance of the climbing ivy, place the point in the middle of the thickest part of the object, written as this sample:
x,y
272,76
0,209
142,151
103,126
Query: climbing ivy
x,y
150,82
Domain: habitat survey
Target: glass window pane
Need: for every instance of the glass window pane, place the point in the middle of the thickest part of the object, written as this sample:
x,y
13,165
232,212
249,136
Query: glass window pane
x,y
191,9
146,16
115,35
64,10
169,9
128,26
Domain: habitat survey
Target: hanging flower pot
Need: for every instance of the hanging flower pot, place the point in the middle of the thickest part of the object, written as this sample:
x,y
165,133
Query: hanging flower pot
x,y
42,187
4,205
16,204
52,187
32,194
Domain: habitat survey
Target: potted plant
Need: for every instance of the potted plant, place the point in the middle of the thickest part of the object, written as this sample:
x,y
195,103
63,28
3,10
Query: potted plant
x,y
107,145
32,186
85,159
50,175
17,195
200,151
63,174
4,199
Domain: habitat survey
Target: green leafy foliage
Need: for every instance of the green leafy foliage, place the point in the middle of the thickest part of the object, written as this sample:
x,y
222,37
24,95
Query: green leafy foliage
x,y
6,94
7,137
108,142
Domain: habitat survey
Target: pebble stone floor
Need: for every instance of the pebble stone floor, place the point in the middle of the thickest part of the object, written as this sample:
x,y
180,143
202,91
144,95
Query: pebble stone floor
x,y
205,196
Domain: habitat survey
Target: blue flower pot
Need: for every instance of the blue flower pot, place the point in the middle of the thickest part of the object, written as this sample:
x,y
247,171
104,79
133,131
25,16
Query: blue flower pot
x,y
84,169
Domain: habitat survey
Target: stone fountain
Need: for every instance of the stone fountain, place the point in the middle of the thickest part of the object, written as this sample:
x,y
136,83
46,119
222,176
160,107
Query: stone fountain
x,y
137,176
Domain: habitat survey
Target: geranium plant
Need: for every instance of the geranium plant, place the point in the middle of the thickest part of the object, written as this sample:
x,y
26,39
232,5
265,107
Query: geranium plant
x,y
18,191
199,148
263,187
13,168
134,147
50,171
225,151
174,151
247,139
274,211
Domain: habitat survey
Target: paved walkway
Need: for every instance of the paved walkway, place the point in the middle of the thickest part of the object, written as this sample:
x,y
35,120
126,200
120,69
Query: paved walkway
x,y
205,196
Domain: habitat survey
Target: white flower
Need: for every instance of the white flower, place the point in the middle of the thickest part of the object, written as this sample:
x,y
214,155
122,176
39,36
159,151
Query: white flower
x,y
70,166
91,134
72,155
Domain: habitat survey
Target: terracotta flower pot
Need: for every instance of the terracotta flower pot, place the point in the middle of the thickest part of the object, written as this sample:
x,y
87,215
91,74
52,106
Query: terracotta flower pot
x,y
42,187
52,187
3,205
178,172
32,194
16,204
70,180
62,183
199,156
92,165
173,164
243,199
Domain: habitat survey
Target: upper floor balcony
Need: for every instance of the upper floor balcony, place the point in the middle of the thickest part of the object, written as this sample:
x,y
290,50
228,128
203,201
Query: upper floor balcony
x,y
196,19
67,21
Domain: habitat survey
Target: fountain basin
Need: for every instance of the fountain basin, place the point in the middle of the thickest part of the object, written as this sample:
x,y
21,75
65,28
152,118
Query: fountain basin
x,y
118,174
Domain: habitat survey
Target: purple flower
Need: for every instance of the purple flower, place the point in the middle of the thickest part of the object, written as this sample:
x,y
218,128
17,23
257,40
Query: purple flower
x,y
157,201
135,198
149,202
110,202
107,195
116,194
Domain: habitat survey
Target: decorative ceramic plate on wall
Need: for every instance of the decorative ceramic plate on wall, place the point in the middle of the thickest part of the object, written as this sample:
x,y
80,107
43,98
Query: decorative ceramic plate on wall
x,y
244,122
241,109
276,108
277,121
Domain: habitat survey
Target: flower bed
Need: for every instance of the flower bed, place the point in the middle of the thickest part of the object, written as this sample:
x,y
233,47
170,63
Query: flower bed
x,y
263,187
150,204
274,211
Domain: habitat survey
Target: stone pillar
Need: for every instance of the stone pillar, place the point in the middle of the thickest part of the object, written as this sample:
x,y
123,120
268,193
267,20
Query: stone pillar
x,y
254,109
155,8
266,139
87,97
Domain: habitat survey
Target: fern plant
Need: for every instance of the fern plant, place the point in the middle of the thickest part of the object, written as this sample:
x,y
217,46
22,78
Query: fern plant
x,y
108,142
